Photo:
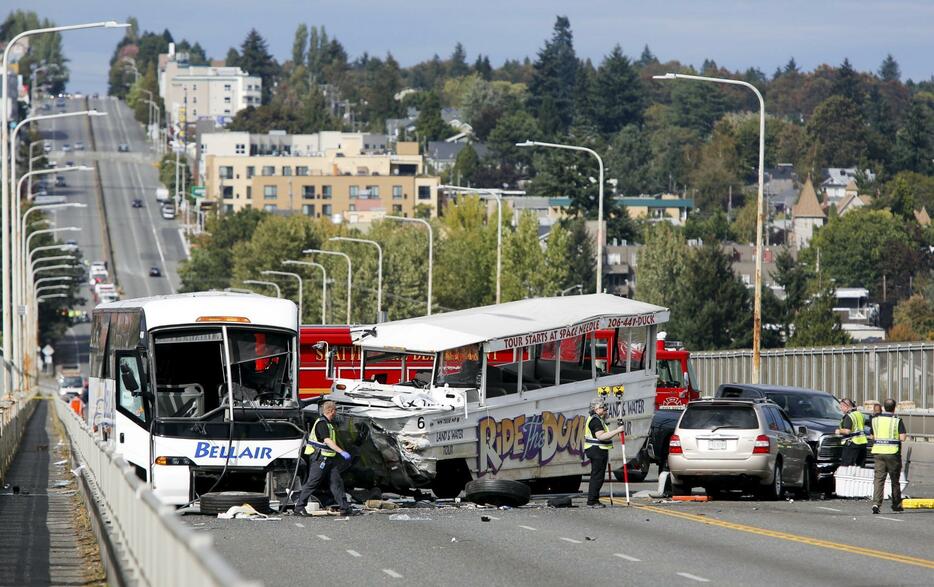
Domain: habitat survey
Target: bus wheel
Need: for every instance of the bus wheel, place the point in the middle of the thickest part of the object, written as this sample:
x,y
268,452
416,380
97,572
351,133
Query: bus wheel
x,y
498,492
221,501
638,470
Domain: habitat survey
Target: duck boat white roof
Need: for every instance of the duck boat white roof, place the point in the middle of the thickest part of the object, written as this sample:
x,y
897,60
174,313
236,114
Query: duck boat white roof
x,y
510,325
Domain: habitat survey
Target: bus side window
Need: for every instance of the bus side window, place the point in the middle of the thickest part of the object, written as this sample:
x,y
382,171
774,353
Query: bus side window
x,y
130,387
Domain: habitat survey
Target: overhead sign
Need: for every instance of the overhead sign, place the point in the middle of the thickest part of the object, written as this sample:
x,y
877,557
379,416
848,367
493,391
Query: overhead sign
x,y
48,351
197,191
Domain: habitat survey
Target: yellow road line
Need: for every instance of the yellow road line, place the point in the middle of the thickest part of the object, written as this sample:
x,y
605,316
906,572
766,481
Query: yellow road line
x,y
880,554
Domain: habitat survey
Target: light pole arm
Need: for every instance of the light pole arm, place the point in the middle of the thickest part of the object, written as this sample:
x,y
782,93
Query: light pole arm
x,y
349,272
379,268
324,283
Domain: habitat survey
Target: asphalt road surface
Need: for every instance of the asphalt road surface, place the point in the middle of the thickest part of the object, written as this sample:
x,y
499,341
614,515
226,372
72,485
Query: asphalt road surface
x,y
652,542
140,237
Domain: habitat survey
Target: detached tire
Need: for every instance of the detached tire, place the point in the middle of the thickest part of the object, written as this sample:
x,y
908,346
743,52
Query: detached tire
x,y
498,492
221,501
638,471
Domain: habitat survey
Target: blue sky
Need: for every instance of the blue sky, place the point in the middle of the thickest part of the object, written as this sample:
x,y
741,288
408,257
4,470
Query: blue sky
x,y
735,33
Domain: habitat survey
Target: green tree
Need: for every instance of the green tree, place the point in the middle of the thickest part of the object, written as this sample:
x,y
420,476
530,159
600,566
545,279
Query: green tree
x,y
300,45
256,60
466,256
618,93
662,264
697,106
513,128
211,263
582,265
713,309
42,48
523,262
629,161
483,68
914,319
816,323
457,65
889,71
914,145
429,125
794,278
466,164
837,133
554,78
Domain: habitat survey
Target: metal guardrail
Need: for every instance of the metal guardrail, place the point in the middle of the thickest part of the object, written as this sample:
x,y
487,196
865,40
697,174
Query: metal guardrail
x,y
903,371
160,550
14,415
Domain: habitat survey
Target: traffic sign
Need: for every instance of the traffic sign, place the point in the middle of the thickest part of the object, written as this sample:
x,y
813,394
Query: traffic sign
x,y
47,350
197,191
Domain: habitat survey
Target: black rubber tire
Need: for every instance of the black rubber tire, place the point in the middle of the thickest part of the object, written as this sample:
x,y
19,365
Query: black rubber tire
x,y
638,471
804,493
498,492
775,490
450,479
221,501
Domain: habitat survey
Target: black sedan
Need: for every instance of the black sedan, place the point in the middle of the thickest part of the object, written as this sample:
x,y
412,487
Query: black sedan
x,y
137,203
155,272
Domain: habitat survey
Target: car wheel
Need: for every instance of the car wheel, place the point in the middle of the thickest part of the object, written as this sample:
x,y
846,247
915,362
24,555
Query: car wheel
x,y
638,470
221,501
498,492
776,489
807,479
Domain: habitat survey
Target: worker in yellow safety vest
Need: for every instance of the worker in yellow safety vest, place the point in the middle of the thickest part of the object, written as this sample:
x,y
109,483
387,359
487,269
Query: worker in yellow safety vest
x,y
852,427
321,451
888,434
598,440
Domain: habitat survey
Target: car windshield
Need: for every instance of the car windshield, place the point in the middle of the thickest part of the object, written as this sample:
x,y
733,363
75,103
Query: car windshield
x,y
669,373
808,405
710,416
72,382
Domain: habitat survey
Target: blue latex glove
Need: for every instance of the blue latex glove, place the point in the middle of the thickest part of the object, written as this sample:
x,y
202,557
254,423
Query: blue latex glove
x,y
345,455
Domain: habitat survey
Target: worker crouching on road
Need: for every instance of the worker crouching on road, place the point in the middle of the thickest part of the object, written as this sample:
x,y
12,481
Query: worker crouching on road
x,y
888,434
598,441
852,428
322,451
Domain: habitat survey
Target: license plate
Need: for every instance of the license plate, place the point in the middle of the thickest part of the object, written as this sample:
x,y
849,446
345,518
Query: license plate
x,y
717,445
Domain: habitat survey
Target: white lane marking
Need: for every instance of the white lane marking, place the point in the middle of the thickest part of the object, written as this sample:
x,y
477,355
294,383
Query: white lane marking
x,y
353,553
392,573
694,577
626,557
527,527
323,537
890,519
571,540
820,507
493,517
299,525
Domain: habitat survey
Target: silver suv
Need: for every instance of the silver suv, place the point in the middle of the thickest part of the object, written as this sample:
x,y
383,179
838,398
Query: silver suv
x,y
724,445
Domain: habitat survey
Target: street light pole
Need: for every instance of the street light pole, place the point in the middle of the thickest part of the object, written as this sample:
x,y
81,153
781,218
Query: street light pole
x,y
431,256
760,211
379,269
324,283
349,272
299,278
271,284
5,176
600,237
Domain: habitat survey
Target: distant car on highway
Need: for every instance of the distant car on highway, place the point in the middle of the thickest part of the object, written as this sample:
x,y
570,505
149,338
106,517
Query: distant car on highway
x,y
79,146
69,163
168,211
70,385
71,243
728,444
60,181
123,148
47,147
66,148
155,272
137,203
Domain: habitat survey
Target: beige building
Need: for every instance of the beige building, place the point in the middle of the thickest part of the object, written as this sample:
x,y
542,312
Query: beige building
x,y
807,215
344,183
193,92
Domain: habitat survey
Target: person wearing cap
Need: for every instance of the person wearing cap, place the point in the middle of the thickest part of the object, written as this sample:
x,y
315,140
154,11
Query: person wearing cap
x,y
598,440
852,428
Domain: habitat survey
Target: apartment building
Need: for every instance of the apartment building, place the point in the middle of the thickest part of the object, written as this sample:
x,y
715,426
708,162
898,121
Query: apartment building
x,y
351,177
193,92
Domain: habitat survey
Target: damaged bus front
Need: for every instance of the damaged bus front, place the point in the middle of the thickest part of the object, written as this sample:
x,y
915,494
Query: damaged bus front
x,y
505,397
197,391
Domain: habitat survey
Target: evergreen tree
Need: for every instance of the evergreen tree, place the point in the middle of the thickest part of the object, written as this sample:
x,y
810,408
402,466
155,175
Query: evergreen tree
x,y
255,59
662,264
646,58
482,67
889,71
794,277
554,79
914,145
383,81
817,324
629,161
465,165
232,59
300,45
697,106
586,96
847,83
618,93
457,66
582,264
429,125
837,133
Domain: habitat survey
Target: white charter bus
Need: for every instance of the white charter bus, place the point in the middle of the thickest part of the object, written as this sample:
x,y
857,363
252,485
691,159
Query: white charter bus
x,y
504,395
198,391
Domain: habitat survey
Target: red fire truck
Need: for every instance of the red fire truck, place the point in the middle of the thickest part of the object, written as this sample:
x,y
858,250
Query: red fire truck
x,y
675,387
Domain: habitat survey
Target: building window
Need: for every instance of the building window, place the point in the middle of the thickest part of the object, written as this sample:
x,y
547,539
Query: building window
x,y
249,192
194,113
396,209
194,100
308,192
301,170
308,209
286,170
270,192
226,111
194,86
326,209
226,99
240,149
227,190
354,192
250,171
424,192
225,172
372,192
326,192
397,192
228,208
352,207
226,87
270,207
269,170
